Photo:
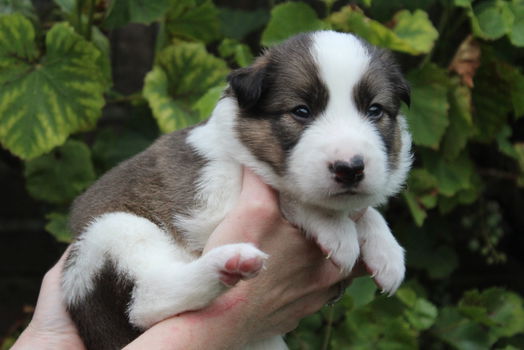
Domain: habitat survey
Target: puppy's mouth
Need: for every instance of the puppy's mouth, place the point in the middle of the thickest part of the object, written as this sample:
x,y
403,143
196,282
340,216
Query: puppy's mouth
x,y
347,192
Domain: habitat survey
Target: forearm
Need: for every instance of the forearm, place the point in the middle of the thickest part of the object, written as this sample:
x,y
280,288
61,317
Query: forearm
x,y
220,326
46,340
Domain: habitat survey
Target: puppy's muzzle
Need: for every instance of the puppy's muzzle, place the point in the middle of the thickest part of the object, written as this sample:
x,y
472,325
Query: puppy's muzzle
x,y
348,173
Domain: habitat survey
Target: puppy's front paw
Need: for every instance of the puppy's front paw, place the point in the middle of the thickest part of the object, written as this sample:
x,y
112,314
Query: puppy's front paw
x,y
385,261
235,262
343,253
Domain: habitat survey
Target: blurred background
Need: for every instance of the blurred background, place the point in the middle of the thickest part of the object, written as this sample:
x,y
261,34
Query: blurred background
x,y
85,84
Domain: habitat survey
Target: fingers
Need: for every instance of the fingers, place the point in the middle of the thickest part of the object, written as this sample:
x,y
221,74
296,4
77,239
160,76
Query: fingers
x,y
257,200
52,276
256,215
254,187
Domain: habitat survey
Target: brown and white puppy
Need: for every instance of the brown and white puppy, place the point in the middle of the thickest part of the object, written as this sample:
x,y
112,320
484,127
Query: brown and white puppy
x,y
316,117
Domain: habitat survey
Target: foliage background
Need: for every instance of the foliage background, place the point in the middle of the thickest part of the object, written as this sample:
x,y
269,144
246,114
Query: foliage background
x,y
85,84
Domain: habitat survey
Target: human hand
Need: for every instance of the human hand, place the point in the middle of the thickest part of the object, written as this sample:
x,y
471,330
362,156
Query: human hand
x,y
297,281
51,326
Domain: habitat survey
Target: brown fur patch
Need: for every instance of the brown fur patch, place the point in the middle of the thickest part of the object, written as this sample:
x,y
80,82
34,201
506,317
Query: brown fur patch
x,y
258,136
101,318
383,84
284,78
155,184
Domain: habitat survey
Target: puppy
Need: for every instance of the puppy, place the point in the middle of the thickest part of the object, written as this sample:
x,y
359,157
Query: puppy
x,y
316,117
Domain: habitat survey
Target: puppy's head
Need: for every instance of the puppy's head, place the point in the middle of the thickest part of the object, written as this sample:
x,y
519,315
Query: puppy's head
x,y
322,111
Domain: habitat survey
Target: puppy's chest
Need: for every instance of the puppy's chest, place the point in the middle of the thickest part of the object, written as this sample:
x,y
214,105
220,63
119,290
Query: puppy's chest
x,y
218,189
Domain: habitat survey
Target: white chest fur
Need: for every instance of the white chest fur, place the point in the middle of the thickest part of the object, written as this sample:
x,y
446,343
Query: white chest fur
x,y
219,185
220,180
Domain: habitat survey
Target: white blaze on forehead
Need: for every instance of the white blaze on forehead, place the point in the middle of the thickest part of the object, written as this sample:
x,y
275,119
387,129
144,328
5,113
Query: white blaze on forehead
x,y
340,132
342,61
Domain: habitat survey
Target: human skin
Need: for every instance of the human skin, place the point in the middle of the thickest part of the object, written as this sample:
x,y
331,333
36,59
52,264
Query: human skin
x,y
296,281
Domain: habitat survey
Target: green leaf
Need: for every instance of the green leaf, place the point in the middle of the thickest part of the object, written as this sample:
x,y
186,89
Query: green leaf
x,y
240,52
420,181
57,226
444,262
428,114
420,313
112,147
183,74
517,30
45,98
421,194
462,3
61,175
493,95
17,37
504,144
288,19
496,308
362,291
451,175
519,149
306,335
68,6
418,212
122,12
459,331
494,17
413,33
424,252
237,24
461,121
24,7
378,325
381,10
104,59
517,92
131,135
416,30
193,20
205,105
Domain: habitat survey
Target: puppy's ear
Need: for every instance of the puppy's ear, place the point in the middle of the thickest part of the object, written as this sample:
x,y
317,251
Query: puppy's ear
x,y
248,83
404,91
399,83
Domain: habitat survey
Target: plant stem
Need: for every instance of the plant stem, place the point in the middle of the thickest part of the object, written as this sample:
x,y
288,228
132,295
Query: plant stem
x,y
329,328
444,19
90,20
161,37
79,7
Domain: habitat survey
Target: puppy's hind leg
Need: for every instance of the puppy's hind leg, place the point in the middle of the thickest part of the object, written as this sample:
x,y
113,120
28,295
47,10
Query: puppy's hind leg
x,y
165,279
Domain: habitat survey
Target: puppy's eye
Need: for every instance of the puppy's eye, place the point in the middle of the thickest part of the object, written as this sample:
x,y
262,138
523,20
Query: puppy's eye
x,y
301,112
375,112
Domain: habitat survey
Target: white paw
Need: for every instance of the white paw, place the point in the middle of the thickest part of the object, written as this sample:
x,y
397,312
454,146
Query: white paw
x,y
385,261
235,262
344,252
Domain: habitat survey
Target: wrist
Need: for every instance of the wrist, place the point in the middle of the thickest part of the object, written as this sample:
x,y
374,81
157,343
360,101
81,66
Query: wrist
x,y
220,324
33,338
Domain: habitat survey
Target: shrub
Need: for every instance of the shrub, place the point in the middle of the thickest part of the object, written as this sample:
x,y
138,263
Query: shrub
x,y
461,212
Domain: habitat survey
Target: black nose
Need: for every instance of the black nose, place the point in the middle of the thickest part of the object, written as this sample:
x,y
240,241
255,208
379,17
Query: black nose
x,y
348,173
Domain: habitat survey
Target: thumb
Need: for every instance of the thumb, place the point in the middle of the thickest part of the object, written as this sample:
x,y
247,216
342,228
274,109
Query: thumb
x,y
256,209
254,189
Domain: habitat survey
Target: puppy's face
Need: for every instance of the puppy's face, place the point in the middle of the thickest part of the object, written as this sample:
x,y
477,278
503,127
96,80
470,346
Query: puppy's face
x,y
322,110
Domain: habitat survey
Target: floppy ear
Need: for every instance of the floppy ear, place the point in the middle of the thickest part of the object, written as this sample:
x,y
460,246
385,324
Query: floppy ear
x,y
400,84
404,91
248,83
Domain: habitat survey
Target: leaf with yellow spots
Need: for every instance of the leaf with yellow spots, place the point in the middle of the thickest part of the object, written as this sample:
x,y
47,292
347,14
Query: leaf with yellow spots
x,y
45,95
183,74
61,175
412,33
